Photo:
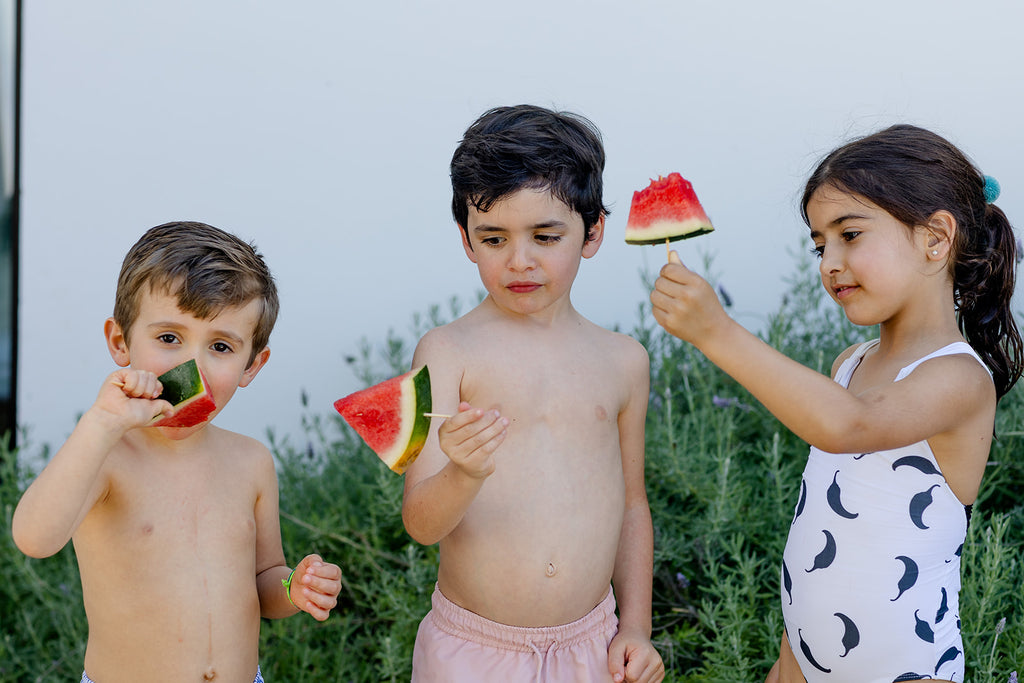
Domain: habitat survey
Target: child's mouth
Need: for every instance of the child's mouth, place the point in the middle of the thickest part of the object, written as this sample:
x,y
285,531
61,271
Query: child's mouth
x,y
522,287
844,291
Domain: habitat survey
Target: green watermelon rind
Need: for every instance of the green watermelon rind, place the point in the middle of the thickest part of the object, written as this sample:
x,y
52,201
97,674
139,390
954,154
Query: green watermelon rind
x,y
181,382
671,231
184,386
416,401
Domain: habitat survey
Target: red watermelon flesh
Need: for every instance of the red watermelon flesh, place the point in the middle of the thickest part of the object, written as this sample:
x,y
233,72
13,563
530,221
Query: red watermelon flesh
x,y
390,416
186,389
666,210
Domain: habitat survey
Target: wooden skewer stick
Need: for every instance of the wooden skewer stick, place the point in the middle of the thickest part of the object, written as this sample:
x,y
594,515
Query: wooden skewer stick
x,y
668,251
441,415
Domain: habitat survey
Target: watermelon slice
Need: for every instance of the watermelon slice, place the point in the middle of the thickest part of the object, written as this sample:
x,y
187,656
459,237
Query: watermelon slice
x,y
666,210
186,389
390,416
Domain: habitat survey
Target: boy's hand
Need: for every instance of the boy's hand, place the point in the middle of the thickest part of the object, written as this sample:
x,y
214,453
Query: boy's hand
x,y
684,303
315,586
470,437
130,397
632,658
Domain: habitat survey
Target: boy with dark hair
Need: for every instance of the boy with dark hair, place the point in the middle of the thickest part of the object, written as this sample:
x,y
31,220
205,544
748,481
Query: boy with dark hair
x,y
535,486
176,530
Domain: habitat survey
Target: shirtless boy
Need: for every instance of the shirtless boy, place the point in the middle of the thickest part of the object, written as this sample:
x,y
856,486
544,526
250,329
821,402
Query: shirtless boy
x,y
535,486
176,530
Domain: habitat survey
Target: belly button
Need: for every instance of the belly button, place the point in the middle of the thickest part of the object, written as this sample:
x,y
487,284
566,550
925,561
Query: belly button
x,y
551,570
209,674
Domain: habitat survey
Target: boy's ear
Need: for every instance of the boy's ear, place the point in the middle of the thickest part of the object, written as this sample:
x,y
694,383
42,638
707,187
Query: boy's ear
x,y
116,343
465,244
257,364
939,235
595,237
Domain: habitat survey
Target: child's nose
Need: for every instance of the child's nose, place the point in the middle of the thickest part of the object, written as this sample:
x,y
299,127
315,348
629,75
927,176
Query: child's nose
x,y
831,262
522,257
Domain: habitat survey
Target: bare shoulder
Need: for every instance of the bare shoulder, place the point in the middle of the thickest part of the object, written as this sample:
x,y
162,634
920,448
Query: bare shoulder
x,y
247,453
959,376
441,341
628,352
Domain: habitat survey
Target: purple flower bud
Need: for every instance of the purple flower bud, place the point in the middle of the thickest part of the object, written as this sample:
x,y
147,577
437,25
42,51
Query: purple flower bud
x,y
726,299
724,402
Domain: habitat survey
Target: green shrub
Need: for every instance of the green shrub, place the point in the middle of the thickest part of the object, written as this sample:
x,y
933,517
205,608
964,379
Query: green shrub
x,y
722,477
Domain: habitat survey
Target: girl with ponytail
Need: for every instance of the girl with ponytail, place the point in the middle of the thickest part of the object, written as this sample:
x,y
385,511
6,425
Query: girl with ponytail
x,y
910,240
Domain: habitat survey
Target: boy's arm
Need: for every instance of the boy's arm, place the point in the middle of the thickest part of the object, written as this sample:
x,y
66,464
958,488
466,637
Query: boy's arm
x,y
54,505
457,457
631,656
314,585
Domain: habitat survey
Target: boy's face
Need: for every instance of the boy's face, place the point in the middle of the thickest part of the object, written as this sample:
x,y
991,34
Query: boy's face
x,y
164,336
528,249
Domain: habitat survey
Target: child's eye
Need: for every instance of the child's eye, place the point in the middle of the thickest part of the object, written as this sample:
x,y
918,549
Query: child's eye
x,y
818,250
492,241
168,338
548,239
850,235
221,347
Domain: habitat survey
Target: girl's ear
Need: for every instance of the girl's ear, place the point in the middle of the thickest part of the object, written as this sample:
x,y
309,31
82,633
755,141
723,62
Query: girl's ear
x,y
939,235
116,343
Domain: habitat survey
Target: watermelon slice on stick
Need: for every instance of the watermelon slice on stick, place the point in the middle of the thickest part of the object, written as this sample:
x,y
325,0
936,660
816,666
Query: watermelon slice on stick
x,y
186,389
392,417
665,211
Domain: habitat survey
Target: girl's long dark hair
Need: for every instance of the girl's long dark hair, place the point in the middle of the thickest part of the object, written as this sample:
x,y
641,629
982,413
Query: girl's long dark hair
x,y
912,173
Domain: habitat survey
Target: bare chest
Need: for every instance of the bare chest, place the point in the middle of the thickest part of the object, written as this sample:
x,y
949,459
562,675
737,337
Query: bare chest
x,y
203,511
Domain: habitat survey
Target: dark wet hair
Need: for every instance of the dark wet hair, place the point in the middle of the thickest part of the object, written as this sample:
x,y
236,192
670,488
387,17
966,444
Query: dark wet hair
x,y
511,148
912,173
206,268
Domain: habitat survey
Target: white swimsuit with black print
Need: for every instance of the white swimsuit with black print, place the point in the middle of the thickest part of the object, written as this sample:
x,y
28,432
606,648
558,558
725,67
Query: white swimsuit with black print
x,y
871,569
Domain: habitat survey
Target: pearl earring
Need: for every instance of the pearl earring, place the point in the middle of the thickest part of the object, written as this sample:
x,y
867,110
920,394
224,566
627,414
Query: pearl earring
x,y
935,252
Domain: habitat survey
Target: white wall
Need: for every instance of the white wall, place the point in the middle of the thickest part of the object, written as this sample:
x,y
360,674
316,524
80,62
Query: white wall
x,y
323,131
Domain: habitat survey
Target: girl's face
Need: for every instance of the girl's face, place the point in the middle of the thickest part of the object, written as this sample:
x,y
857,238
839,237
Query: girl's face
x,y
871,263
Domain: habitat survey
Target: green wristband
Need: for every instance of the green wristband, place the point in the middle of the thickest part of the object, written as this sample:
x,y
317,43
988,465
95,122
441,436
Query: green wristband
x,y
287,583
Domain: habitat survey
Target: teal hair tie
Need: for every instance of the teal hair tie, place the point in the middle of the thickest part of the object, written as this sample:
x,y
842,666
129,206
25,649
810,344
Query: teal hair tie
x,y
991,189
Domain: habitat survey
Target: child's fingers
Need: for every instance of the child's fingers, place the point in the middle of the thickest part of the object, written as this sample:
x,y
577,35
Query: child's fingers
x,y
323,578
493,431
137,383
465,416
319,604
323,569
476,430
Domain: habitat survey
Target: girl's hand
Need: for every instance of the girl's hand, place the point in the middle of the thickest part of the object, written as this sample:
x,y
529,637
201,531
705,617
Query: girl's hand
x,y
684,303
129,398
315,586
470,437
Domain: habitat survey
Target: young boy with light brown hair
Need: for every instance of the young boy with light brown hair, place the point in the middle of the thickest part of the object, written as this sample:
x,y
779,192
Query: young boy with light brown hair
x,y
176,530
535,486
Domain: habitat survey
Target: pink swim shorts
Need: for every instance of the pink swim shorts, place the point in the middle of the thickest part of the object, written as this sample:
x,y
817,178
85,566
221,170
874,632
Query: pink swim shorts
x,y
455,645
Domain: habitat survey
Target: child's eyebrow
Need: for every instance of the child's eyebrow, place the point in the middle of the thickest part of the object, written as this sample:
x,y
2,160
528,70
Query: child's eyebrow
x,y
229,336
836,222
540,225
